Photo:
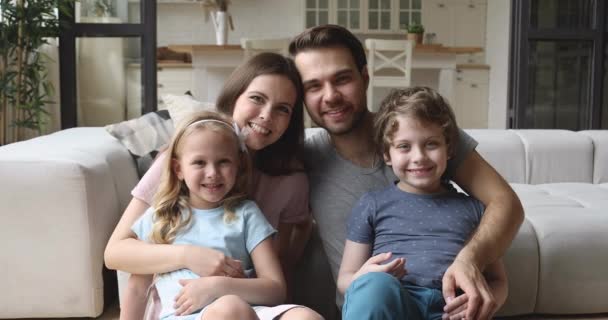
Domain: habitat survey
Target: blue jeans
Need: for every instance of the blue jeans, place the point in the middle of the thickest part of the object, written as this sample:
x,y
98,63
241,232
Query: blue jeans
x,y
379,295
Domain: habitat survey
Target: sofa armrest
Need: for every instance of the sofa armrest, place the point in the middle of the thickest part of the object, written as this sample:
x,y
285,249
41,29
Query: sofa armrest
x,y
62,195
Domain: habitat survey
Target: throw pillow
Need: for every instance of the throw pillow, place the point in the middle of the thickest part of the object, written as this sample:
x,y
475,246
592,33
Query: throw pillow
x,y
144,136
180,106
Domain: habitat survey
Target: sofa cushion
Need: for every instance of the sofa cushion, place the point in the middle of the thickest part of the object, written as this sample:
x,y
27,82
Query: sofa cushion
x,y
144,136
522,256
573,259
181,106
557,156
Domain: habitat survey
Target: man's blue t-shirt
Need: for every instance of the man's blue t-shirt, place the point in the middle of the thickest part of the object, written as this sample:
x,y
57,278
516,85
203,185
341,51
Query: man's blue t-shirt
x,y
427,230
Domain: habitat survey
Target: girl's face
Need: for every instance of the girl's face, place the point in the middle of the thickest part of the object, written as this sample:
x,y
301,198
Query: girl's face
x,y
264,109
208,161
418,155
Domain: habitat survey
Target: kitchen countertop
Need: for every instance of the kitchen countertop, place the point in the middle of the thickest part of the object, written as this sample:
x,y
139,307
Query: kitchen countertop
x,y
423,48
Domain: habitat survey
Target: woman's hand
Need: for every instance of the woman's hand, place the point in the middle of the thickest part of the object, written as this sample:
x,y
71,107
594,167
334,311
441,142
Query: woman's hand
x,y
207,262
195,294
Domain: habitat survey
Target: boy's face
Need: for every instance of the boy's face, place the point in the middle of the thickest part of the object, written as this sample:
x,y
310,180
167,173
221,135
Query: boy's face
x,y
334,89
419,155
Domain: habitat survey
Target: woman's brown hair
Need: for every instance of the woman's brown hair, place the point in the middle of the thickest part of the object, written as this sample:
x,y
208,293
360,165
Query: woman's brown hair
x,y
283,156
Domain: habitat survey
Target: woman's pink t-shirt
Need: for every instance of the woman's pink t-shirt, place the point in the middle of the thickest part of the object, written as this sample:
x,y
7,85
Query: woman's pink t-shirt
x,y
282,199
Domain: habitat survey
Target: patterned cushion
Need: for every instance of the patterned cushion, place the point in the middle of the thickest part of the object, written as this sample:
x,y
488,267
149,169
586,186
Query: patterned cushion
x,y
144,136
181,106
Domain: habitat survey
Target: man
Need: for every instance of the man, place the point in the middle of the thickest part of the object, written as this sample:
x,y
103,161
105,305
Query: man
x,y
343,164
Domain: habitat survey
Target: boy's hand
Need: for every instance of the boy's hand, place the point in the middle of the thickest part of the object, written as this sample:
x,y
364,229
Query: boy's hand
x,y
195,294
455,308
395,268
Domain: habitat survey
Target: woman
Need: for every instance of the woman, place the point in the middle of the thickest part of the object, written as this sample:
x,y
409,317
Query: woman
x,y
264,97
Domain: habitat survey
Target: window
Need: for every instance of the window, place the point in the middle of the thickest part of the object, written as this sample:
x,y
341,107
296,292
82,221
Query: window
x,y
349,14
364,16
410,11
379,15
317,12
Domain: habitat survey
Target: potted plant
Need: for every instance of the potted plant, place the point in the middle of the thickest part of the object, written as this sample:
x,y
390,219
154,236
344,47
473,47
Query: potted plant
x,y
25,26
415,32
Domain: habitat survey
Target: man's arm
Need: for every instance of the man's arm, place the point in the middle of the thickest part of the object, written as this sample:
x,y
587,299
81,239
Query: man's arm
x,y
501,220
502,217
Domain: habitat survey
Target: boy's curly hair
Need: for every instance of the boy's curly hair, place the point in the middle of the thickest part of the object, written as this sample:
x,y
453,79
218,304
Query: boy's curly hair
x,y
422,103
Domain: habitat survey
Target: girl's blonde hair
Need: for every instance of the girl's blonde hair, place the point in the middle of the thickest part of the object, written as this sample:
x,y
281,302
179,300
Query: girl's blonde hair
x,y
171,201
422,103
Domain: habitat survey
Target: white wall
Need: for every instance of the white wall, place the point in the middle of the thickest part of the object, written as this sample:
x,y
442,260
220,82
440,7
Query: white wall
x,y
184,23
498,29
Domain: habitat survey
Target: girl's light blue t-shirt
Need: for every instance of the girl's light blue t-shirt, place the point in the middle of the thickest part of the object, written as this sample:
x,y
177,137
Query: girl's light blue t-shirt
x,y
236,239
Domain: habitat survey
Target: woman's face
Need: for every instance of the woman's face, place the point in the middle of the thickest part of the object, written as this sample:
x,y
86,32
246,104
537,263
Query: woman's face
x,y
264,109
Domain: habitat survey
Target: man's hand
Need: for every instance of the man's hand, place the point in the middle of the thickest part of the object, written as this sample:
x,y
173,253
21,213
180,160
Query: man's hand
x,y
373,264
456,309
466,276
207,262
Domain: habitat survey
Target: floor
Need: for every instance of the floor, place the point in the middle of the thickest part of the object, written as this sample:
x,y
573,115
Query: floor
x,y
112,313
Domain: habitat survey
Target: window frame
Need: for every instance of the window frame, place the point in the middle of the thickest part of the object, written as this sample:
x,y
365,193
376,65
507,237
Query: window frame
x,y
522,33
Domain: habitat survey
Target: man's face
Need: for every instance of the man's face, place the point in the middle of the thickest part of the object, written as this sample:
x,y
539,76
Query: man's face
x,y
334,89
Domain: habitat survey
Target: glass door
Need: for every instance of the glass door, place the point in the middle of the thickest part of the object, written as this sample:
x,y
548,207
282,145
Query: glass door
x,y
558,60
109,41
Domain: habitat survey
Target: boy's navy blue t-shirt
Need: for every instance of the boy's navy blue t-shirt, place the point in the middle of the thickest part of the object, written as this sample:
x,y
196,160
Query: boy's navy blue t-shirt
x,y
427,230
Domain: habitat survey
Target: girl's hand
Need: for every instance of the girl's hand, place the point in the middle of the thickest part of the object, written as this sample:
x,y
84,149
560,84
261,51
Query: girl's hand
x,y
195,294
395,268
207,262
456,308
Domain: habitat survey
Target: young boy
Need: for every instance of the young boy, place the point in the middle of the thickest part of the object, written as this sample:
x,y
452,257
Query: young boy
x,y
420,224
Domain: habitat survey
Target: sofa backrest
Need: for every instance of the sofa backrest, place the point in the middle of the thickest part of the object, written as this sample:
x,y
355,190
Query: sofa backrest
x,y
504,150
537,156
600,154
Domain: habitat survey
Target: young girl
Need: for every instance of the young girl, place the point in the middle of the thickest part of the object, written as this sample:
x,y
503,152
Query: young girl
x,y
201,201
403,238
264,96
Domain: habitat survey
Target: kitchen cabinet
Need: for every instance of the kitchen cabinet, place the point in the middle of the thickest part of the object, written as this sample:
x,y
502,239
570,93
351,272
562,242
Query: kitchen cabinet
x,y
457,23
173,78
364,16
471,97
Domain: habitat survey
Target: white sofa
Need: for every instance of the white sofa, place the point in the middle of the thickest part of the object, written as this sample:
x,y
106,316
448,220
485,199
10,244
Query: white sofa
x,y
62,194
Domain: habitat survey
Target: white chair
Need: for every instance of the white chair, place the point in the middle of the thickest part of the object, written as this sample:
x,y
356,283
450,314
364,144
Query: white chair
x,y
389,63
255,46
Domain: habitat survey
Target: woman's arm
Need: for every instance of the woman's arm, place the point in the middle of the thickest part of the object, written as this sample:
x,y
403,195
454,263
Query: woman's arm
x,y
268,288
125,252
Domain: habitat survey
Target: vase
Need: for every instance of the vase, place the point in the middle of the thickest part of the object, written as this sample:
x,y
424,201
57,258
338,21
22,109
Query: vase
x,y
220,22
